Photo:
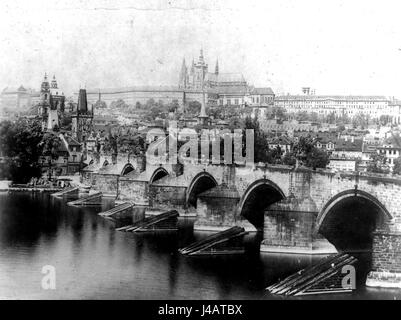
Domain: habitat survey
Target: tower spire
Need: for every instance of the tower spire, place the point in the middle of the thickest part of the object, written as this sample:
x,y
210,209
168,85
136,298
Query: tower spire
x,y
201,59
203,118
216,70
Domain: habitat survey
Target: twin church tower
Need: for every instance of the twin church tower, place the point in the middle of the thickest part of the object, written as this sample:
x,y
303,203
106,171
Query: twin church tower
x,y
52,110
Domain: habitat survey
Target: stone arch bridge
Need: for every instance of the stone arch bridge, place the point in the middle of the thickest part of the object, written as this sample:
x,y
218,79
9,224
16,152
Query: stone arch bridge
x,y
297,209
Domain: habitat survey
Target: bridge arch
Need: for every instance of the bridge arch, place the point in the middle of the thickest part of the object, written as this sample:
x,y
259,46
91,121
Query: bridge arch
x,y
258,196
201,182
127,169
158,174
349,219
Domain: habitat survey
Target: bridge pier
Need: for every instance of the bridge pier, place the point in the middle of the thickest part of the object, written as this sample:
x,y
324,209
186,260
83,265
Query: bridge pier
x,y
289,227
217,210
386,260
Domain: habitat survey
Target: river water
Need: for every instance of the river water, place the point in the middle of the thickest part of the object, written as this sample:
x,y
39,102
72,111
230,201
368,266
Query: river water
x,y
93,261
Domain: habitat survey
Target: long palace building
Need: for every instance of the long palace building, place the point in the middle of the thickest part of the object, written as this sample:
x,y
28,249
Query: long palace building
x,y
373,106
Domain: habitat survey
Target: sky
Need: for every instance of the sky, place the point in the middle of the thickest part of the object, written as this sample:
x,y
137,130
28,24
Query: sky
x,y
335,47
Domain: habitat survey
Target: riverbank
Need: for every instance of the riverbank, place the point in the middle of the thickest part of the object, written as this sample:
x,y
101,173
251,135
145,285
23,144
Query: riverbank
x,y
4,185
25,188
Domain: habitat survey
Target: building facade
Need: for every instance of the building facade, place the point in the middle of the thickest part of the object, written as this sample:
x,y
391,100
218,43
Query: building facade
x,y
372,106
18,99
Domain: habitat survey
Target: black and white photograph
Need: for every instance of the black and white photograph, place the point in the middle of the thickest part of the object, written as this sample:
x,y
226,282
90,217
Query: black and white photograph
x,y
209,151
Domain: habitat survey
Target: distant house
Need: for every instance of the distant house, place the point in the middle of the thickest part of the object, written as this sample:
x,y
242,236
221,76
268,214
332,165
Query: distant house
x,y
326,144
260,97
104,120
348,148
340,164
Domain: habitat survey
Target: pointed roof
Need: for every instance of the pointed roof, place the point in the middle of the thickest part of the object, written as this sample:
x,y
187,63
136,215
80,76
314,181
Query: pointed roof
x,y
82,101
45,83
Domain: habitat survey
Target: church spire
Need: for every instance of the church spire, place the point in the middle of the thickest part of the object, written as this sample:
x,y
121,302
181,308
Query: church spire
x,y
201,59
183,75
203,117
216,70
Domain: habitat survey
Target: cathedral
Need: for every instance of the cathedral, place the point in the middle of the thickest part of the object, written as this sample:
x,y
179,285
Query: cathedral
x,y
198,76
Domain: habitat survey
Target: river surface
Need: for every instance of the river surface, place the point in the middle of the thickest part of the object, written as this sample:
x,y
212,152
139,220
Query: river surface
x,y
93,261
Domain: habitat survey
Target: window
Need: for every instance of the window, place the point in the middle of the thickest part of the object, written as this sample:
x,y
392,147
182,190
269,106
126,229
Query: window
x,y
236,101
228,102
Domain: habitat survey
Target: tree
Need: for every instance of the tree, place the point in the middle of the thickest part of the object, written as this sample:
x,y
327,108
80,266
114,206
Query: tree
x,y
302,116
289,159
110,143
50,145
20,143
261,146
377,164
119,104
384,119
317,159
216,112
173,106
303,147
150,103
274,155
310,156
360,120
99,104
279,113
193,108
397,166
331,118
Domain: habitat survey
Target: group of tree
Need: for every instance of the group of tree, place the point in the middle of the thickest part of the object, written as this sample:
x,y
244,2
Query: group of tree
x,y
303,150
307,154
22,143
120,142
100,104
377,164
119,104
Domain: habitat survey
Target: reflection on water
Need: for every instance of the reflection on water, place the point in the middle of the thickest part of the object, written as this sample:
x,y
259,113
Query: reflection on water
x,y
92,260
